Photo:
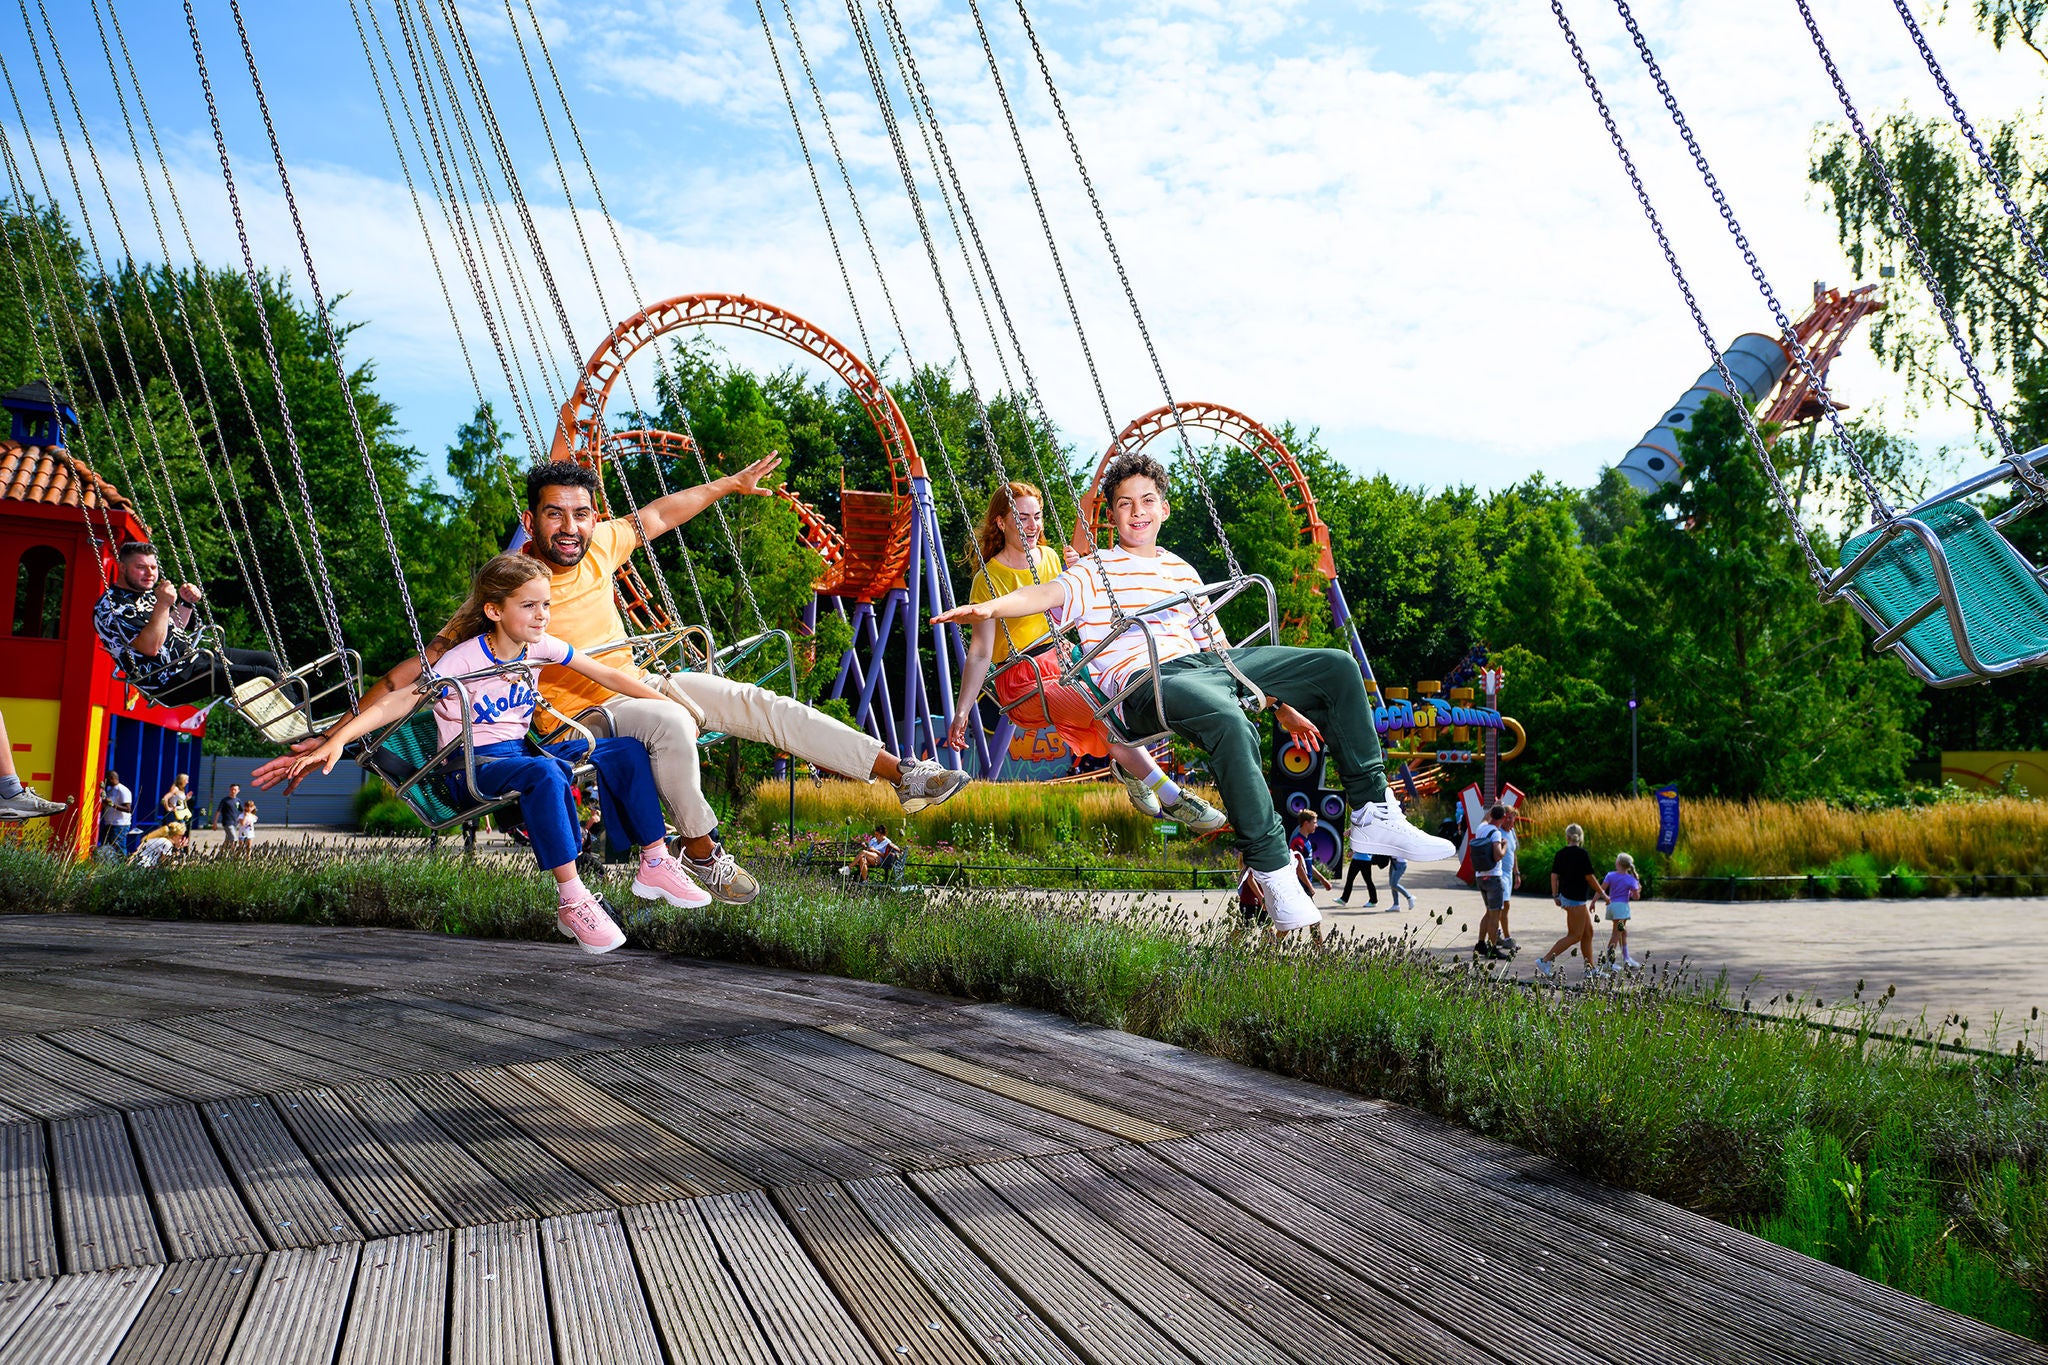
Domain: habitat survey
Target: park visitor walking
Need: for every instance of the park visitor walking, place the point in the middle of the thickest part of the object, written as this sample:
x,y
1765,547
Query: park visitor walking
x,y
1493,848
1623,889
1575,886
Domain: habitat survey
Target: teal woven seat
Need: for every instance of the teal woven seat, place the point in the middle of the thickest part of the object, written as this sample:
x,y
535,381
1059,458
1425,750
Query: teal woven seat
x,y
404,752
2004,606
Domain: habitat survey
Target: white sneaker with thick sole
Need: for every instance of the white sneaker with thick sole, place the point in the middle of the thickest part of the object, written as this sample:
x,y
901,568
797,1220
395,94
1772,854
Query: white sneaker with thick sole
x,y
588,922
1142,796
1382,827
27,805
1197,815
1286,903
925,784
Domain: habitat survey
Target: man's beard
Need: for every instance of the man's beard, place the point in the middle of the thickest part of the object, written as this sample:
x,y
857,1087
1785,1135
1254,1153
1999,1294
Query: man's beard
x,y
554,556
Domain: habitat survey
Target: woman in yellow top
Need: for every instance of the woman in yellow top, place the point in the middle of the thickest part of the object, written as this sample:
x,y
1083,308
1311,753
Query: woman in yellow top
x,y
1013,557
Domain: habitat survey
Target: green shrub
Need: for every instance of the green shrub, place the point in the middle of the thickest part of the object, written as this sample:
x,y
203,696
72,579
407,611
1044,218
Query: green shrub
x,y
392,818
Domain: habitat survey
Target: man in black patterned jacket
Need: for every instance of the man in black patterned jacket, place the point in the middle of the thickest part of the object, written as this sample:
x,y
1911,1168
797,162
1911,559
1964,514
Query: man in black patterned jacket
x,y
146,622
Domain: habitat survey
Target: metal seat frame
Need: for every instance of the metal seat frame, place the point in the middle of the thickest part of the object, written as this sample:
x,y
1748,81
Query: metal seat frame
x,y
1841,586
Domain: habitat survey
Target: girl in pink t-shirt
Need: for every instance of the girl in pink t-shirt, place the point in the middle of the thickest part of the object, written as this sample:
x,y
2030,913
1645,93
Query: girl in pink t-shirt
x,y
502,641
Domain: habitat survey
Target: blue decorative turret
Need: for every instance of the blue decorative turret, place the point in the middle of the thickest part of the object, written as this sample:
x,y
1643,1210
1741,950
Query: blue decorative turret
x,y
39,415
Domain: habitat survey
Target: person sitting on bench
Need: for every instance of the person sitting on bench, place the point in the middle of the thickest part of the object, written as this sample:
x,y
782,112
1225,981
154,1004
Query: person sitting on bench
x,y
146,622
877,850
504,623
1031,693
1314,693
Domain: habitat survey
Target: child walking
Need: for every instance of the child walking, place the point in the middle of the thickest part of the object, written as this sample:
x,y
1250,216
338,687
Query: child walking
x,y
504,622
1622,887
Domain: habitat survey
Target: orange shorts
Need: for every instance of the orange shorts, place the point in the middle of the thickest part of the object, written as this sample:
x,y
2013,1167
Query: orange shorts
x,y
1069,710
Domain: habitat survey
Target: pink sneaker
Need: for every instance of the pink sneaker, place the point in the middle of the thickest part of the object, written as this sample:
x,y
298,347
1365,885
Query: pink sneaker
x,y
662,878
585,921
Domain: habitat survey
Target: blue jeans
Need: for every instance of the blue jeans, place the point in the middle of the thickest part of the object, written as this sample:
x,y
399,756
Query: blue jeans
x,y
545,781
1397,870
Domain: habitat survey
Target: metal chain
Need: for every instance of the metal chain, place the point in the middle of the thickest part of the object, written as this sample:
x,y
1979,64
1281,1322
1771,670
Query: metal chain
x,y
348,395
927,115
633,285
1991,172
324,588
251,578
204,282
1881,509
2028,477
190,555
1130,296
1815,568
1052,245
88,490
45,269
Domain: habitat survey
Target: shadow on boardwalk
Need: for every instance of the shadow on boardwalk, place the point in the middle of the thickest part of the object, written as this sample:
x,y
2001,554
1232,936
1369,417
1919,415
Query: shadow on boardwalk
x,y
258,1143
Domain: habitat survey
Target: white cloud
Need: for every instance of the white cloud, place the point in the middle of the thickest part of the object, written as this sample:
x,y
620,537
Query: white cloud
x,y
1444,270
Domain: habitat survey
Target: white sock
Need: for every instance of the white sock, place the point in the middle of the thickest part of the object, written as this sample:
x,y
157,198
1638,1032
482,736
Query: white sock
x,y
1163,787
572,890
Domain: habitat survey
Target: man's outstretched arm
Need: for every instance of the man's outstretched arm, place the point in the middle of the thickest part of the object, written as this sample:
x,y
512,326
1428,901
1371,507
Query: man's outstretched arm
x,y
665,514
1033,599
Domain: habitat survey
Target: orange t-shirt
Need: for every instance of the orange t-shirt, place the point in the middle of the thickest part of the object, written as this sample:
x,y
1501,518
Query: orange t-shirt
x,y
586,615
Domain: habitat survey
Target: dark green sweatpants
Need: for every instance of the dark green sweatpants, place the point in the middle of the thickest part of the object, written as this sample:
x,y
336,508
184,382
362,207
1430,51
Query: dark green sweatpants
x,y
1202,708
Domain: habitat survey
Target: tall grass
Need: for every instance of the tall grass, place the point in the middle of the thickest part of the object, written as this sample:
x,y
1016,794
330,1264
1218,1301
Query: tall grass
x,y
1918,1169
1008,817
1774,838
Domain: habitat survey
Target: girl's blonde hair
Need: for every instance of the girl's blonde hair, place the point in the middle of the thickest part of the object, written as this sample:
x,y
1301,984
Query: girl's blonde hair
x,y
1574,834
500,577
1000,504
1625,863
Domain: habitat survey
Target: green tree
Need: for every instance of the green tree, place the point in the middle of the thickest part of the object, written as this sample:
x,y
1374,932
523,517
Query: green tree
x,y
487,502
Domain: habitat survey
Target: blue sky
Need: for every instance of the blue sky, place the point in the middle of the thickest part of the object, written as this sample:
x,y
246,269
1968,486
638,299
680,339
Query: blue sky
x,y
1398,223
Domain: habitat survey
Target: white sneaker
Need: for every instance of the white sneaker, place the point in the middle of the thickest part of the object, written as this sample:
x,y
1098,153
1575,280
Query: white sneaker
x,y
1198,815
1544,968
1630,961
1382,827
1143,797
1286,903
925,783
26,804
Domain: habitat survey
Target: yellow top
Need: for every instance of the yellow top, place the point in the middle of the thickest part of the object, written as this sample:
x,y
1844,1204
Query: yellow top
x,y
997,578
585,614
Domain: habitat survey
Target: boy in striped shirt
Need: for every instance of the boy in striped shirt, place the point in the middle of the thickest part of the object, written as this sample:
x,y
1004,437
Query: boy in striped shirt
x,y
1315,694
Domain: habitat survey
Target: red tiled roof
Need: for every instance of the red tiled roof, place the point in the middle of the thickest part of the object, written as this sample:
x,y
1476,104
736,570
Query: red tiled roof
x,y
53,477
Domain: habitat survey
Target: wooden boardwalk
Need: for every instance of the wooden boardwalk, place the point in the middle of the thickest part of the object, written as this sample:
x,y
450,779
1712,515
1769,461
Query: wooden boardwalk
x,y
270,1145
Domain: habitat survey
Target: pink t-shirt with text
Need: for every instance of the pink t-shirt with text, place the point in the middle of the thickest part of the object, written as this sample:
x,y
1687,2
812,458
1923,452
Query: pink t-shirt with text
x,y
500,708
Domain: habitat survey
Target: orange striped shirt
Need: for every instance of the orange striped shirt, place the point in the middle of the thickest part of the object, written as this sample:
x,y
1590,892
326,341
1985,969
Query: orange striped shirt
x,y
1138,582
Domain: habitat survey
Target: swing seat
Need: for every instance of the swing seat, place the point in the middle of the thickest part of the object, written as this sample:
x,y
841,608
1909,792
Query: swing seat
x,y
264,705
1939,565
411,757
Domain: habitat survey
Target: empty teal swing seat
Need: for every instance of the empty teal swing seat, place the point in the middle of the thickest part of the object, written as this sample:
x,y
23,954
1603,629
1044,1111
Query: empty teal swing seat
x,y
1995,593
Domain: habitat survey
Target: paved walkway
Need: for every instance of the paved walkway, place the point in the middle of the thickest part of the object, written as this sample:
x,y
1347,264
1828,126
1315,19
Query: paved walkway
x,y
254,1144
1973,956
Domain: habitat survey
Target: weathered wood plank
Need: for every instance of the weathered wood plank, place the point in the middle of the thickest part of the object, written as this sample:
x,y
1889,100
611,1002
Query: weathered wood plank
x,y
103,1213
295,1316
82,1319
379,1195
702,1318
1177,1309
291,1205
314,1068
795,1307
552,1034
587,1251
1086,1311
1277,1312
776,1114
626,1155
497,1306
292,1031
192,1313
895,1310
28,1242
1038,1095
182,1043
30,1094
1292,1258
400,1306
327,1020
525,1167
196,1202
17,1301
463,1189
143,1064
730,1138
1001,1325
102,1083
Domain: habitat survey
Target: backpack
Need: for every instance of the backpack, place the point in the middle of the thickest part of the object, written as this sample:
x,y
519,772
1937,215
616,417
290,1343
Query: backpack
x,y
1486,852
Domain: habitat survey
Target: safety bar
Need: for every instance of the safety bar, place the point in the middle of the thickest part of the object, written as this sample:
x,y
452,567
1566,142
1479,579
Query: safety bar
x,y
742,650
1890,635
1216,596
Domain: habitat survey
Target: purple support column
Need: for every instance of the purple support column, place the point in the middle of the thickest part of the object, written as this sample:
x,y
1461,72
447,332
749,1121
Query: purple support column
x,y
1340,617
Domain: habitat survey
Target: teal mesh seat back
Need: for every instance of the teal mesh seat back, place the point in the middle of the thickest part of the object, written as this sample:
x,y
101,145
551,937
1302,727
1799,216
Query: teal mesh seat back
x,y
403,753
2005,608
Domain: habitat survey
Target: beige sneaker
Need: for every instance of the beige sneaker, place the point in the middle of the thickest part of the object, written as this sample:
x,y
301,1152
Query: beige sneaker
x,y
925,784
